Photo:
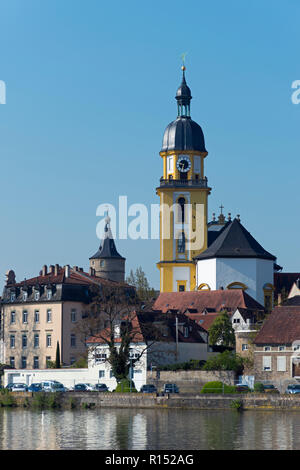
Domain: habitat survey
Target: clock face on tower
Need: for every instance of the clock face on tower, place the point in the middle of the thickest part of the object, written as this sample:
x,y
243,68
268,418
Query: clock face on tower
x,y
183,164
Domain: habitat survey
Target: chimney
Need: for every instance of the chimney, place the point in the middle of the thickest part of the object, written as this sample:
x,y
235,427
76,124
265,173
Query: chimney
x,y
81,270
67,270
279,299
298,283
44,270
75,268
51,269
56,268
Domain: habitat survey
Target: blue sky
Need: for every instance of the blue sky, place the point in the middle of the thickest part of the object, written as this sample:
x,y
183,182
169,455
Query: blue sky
x,y
90,90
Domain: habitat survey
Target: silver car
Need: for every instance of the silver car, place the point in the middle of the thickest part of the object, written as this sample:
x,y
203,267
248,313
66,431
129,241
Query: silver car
x,y
19,388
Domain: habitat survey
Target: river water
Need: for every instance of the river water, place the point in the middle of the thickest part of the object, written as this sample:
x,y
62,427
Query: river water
x,y
120,429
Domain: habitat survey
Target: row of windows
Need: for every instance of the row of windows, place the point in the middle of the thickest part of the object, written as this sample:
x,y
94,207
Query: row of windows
x,y
280,363
102,373
36,361
36,316
36,341
281,348
36,296
23,362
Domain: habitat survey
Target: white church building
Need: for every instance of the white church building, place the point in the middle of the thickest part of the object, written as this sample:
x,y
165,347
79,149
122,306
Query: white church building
x,y
235,260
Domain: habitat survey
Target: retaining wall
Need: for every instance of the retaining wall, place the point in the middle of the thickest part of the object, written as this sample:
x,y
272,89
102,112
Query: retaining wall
x,y
204,402
190,381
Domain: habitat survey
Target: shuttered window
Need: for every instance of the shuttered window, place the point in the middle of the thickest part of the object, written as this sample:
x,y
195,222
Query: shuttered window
x,y
281,363
267,363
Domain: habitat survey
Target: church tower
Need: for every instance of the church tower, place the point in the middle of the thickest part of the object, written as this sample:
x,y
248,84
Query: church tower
x,y
183,193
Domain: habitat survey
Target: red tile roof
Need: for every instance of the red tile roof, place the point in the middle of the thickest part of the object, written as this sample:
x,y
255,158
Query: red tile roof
x,y
281,327
75,277
204,320
199,300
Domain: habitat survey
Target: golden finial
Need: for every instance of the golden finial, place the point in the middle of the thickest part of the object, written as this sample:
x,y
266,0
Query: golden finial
x,y
183,68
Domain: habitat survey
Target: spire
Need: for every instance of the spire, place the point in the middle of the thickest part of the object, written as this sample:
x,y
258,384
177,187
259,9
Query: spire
x,y
183,97
107,249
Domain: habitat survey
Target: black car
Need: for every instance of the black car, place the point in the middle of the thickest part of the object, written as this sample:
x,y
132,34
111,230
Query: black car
x,y
170,388
83,387
101,388
148,389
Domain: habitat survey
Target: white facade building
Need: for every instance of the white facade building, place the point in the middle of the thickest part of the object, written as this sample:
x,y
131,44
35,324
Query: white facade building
x,y
236,260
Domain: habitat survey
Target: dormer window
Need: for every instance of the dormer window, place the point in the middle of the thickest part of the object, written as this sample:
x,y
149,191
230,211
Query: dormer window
x,y
49,294
12,296
117,331
25,296
36,295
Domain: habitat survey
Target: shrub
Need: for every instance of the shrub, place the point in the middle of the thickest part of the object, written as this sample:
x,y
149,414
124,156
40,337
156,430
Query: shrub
x,y
45,400
217,387
72,403
6,399
236,405
124,386
258,387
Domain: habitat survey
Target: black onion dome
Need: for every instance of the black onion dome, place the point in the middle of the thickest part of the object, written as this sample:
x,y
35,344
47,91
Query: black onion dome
x,y
183,95
183,134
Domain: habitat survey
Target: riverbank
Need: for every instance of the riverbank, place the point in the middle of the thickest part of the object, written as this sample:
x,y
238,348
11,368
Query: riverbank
x,y
72,400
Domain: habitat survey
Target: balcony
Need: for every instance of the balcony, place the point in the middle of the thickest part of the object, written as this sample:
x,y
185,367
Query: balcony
x,y
171,183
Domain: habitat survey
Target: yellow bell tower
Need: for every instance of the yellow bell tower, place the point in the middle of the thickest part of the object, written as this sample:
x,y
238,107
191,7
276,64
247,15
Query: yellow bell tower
x,y
183,193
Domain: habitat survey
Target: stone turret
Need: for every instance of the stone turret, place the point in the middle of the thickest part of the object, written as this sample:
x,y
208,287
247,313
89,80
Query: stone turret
x,y
107,262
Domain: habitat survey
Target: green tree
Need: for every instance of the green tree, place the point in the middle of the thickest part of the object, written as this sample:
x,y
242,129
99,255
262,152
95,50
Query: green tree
x,y
221,331
140,282
226,360
112,318
57,358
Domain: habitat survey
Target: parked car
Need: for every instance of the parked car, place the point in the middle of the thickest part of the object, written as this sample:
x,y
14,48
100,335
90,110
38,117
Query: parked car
x,y
101,388
9,386
170,388
35,388
148,389
19,388
293,388
58,387
270,388
84,387
52,386
242,388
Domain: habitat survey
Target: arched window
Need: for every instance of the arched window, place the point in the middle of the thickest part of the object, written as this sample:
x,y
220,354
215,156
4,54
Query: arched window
x,y
181,212
237,285
268,296
203,286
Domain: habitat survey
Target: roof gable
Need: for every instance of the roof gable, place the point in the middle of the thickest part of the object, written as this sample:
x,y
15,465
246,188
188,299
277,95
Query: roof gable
x,y
234,241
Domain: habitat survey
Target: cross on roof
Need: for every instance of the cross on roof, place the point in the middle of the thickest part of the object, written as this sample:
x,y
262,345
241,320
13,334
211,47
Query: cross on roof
x,y
221,207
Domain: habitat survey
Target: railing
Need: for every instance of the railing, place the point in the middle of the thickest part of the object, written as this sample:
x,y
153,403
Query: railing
x,y
245,327
200,183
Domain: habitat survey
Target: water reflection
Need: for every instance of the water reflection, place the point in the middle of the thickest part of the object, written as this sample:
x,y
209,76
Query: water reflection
x,y
148,429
